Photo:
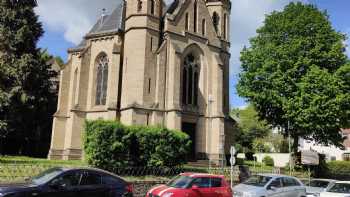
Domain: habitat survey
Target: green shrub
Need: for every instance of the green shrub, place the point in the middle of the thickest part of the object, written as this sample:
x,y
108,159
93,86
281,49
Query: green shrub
x,y
268,161
338,170
109,144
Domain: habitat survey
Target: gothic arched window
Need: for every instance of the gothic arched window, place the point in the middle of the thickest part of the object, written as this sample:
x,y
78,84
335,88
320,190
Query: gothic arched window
x,y
152,7
216,20
101,79
225,26
195,13
190,80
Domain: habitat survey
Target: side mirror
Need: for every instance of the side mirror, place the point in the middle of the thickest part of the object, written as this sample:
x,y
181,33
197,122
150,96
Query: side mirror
x,y
195,187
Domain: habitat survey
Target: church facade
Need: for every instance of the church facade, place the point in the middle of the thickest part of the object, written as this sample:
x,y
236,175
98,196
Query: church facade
x,y
147,63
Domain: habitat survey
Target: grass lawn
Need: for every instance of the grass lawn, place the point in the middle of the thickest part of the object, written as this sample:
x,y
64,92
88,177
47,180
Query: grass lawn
x,y
31,161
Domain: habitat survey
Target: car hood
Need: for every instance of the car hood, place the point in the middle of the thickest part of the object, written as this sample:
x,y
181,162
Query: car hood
x,y
243,188
314,190
11,187
330,194
160,189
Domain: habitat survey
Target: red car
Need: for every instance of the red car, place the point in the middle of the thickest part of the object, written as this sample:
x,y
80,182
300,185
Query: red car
x,y
193,185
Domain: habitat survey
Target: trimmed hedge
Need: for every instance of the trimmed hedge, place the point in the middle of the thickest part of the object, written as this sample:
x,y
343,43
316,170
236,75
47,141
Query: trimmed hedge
x,y
109,144
268,161
338,170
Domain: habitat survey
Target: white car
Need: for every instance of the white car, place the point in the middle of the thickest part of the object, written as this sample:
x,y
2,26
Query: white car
x,y
270,185
338,189
316,186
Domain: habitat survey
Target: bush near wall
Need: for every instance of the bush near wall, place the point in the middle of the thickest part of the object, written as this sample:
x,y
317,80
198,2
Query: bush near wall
x,y
338,170
109,144
268,161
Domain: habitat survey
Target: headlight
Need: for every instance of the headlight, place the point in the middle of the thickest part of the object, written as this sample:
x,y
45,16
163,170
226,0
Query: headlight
x,y
168,194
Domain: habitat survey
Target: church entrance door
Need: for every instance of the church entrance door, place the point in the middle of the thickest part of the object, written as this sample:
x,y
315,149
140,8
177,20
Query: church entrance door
x,y
190,129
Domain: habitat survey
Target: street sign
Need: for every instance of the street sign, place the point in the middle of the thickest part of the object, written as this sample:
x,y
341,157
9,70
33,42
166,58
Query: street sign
x,y
233,160
310,158
233,150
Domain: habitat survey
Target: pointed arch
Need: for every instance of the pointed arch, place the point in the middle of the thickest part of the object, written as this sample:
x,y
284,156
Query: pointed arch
x,y
101,78
195,13
216,21
190,69
152,6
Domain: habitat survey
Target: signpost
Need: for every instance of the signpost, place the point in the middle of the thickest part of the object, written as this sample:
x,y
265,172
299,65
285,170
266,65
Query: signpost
x,y
310,158
232,162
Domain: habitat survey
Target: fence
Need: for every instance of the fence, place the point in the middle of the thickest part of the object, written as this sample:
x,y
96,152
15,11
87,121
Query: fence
x,y
17,172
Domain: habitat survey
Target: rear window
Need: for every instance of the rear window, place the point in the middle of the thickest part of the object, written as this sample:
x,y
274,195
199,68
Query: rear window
x,y
109,180
216,182
289,182
318,183
258,180
91,179
343,188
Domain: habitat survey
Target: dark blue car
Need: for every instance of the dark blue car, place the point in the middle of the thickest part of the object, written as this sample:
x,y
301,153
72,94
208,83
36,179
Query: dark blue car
x,y
70,182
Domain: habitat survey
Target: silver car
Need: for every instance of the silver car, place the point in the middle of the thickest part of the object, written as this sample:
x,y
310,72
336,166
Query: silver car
x,y
266,185
316,186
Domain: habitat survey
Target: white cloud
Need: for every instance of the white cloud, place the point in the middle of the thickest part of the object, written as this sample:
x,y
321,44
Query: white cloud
x,y
246,17
74,18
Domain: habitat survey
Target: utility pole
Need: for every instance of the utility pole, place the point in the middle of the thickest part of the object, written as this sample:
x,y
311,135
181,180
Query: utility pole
x,y
210,101
290,150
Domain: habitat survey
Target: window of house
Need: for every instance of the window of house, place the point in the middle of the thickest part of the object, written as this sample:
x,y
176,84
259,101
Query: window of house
x,y
225,26
187,22
195,10
203,27
346,156
101,80
152,7
190,80
216,20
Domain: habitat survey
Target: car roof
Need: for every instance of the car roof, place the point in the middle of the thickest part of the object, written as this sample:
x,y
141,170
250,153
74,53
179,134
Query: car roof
x,y
330,180
275,175
91,169
346,182
193,174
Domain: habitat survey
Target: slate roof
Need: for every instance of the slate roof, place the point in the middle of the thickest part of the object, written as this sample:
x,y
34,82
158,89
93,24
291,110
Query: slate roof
x,y
106,24
115,22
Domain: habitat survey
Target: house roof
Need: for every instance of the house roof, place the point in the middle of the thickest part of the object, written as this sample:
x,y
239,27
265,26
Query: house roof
x,y
346,131
106,24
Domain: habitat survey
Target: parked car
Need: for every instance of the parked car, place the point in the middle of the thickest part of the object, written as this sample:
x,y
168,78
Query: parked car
x,y
70,182
193,185
315,186
266,185
338,189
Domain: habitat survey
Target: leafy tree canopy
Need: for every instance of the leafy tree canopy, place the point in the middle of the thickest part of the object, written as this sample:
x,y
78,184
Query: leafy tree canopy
x,y
249,127
26,103
295,73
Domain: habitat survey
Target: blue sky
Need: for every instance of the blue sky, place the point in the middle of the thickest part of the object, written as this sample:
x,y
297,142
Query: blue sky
x,y
66,21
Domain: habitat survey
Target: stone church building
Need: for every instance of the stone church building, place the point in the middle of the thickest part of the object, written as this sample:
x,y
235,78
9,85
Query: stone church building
x,y
148,63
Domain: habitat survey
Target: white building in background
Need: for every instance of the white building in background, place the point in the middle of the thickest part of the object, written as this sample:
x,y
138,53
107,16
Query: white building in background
x,y
332,153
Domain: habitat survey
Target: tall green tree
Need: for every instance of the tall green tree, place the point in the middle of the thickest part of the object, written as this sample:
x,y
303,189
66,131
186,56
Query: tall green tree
x,y
294,72
249,128
25,97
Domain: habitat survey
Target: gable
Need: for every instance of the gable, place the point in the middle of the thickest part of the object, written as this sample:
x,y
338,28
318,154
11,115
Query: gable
x,y
175,21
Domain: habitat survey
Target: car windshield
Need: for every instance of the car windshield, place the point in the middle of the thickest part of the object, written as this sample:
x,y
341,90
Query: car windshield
x,y
258,180
180,182
319,183
343,188
46,176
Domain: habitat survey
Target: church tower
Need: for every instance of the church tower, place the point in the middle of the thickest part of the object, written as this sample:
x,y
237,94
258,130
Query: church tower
x,y
220,14
142,35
